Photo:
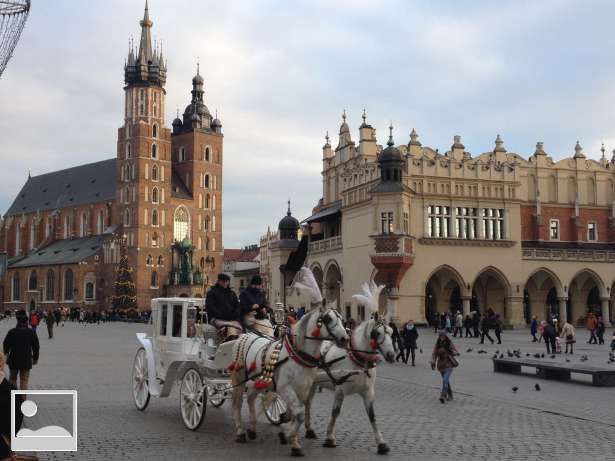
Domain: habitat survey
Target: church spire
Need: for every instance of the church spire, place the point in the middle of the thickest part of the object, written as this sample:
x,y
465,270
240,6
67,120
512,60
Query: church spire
x,y
145,46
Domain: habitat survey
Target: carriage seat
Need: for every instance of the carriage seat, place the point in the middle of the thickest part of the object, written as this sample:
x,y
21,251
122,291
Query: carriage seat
x,y
209,331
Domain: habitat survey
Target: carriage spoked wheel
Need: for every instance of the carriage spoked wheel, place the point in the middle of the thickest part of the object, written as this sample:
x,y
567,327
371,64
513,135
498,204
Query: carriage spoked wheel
x,y
140,382
274,408
192,399
215,394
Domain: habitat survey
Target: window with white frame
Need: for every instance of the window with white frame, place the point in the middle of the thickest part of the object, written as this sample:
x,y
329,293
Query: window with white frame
x,y
554,229
154,130
154,151
466,223
154,195
386,222
438,221
592,231
493,223
406,223
207,154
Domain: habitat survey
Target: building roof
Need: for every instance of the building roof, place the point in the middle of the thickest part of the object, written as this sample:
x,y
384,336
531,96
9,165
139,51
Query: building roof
x,y
329,212
239,254
69,251
90,183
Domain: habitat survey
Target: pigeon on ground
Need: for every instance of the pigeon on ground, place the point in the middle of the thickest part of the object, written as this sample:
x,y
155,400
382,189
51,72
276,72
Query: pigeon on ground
x,y
515,389
537,386
537,355
469,349
567,360
527,355
510,354
542,355
501,356
482,352
553,356
495,356
421,351
497,352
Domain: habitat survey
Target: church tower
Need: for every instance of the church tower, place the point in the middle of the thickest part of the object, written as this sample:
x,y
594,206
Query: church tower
x,y
144,165
197,163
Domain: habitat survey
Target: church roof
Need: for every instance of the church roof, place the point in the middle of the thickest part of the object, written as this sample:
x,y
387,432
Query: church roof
x,y
90,183
68,251
178,188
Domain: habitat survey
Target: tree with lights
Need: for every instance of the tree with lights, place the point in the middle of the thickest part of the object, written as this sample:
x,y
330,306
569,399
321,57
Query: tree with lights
x,y
124,298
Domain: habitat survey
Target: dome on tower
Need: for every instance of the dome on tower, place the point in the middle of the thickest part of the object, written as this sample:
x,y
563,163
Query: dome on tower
x,y
391,153
197,79
288,226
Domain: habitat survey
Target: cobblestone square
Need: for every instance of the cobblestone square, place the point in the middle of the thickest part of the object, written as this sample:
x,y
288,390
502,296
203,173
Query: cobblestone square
x,y
486,420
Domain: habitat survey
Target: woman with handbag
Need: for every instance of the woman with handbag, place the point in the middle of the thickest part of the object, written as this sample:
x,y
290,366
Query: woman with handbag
x,y
570,336
443,357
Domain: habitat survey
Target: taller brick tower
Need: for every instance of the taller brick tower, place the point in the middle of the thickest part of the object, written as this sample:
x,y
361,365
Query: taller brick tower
x,y
144,167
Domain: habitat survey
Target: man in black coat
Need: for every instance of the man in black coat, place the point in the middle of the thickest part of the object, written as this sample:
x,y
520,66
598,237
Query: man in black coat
x,y
253,307
22,348
5,412
223,308
410,335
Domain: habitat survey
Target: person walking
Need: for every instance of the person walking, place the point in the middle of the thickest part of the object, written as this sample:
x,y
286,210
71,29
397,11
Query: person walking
x,y
22,349
591,326
410,335
458,324
476,323
600,328
49,320
549,334
467,324
5,413
499,326
443,358
34,320
398,344
570,336
447,323
436,323
485,327
534,328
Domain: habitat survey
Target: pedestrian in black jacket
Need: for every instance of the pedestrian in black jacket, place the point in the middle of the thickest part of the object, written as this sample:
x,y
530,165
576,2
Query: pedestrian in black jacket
x,y
398,344
5,412
475,323
467,324
22,348
410,335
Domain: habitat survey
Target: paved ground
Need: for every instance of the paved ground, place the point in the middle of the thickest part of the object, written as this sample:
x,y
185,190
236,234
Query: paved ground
x,y
565,421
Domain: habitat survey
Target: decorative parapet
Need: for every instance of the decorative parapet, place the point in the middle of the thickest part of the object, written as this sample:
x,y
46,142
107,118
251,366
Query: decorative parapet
x,y
326,245
393,255
556,254
467,242
393,245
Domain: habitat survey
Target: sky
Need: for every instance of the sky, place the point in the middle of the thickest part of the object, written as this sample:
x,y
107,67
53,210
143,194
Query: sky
x,y
280,74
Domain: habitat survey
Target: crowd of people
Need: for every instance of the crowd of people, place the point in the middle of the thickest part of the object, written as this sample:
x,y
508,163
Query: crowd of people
x,y
474,325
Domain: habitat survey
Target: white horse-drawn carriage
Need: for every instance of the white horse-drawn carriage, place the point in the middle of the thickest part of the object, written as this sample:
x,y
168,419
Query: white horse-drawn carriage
x,y
184,347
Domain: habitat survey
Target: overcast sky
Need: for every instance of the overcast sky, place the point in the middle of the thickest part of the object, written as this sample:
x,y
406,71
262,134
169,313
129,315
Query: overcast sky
x,y
281,72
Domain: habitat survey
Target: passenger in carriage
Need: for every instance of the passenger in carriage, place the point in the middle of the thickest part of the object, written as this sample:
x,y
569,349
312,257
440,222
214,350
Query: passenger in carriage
x,y
223,309
254,308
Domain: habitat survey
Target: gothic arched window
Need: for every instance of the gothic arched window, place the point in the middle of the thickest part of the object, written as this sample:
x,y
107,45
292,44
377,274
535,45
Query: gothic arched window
x,y
32,281
154,217
207,155
68,284
160,260
154,151
206,182
181,223
154,173
154,194
154,281
50,285
149,260
154,130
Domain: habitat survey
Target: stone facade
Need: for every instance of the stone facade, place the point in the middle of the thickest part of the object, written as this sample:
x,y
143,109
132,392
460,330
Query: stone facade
x,y
165,200
523,236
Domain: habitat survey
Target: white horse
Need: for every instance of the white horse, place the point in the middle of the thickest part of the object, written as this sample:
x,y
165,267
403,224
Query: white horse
x,y
352,369
287,366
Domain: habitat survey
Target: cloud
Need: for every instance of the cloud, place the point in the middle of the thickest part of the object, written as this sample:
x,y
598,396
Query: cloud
x,y
280,74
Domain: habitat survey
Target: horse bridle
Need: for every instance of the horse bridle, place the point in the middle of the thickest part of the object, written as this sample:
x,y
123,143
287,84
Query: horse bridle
x,y
320,322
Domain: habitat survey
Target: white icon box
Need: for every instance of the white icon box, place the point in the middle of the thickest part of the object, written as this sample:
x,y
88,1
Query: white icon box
x,y
47,438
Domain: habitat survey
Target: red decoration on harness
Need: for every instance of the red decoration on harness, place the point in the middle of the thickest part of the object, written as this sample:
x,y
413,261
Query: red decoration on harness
x,y
261,384
231,367
373,344
315,333
252,366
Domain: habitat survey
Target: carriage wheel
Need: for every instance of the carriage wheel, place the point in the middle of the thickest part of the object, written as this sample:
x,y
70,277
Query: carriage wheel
x,y
192,399
214,394
140,382
274,409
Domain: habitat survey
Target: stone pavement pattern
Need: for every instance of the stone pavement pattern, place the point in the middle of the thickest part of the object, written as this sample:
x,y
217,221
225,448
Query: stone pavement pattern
x,y
565,421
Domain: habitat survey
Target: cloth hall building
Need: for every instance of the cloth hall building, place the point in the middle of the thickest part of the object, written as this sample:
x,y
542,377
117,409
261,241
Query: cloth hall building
x,y
453,231
160,198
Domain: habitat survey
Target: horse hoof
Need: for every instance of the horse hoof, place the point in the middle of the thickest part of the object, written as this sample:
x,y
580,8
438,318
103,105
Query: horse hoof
x,y
241,438
282,437
383,449
310,434
329,443
297,452
251,434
